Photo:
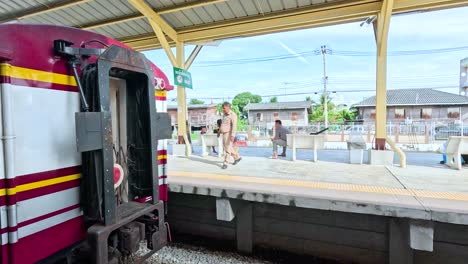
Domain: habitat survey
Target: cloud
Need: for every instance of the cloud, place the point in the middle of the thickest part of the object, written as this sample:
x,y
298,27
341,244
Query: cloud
x,y
300,57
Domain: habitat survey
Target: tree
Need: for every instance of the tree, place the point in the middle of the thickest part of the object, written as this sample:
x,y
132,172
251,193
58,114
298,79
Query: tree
x,y
195,101
345,115
242,99
274,99
335,114
308,99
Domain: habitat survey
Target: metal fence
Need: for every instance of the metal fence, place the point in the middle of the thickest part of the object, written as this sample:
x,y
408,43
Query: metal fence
x,y
407,132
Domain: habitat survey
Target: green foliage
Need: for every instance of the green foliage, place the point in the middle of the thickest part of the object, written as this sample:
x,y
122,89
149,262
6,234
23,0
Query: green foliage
x,y
195,101
219,108
274,99
334,115
242,125
308,99
346,115
242,99
236,110
194,136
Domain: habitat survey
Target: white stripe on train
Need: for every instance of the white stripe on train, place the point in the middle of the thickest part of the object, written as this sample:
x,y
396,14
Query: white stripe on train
x,y
48,222
32,208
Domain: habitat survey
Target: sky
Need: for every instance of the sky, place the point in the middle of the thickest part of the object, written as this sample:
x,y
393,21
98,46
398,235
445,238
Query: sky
x,y
302,75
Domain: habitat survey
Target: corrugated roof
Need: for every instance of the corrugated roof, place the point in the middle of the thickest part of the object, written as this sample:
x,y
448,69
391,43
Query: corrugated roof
x,y
279,105
198,21
417,97
90,12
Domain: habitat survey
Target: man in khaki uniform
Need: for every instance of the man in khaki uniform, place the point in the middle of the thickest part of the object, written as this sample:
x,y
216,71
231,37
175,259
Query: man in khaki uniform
x,y
228,131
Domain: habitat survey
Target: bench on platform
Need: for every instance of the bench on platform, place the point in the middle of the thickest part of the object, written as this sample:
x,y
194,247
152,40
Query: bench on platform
x,y
300,141
456,146
208,141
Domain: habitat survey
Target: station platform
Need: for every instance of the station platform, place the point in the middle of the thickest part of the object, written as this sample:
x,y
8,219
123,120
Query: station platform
x,y
347,212
439,194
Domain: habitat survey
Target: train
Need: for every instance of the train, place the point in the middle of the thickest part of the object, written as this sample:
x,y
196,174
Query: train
x,y
83,144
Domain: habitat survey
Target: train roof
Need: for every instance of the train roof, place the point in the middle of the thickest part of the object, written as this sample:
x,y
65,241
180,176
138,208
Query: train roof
x,y
31,46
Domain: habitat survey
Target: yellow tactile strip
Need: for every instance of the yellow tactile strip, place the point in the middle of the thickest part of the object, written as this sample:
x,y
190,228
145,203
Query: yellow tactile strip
x,y
324,185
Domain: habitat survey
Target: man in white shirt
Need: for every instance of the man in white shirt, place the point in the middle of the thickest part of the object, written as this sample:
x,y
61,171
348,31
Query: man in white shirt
x,y
280,139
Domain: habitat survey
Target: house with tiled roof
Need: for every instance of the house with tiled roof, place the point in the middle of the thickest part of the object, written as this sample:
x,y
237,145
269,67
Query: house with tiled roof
x,y
417,104
199,115
290,113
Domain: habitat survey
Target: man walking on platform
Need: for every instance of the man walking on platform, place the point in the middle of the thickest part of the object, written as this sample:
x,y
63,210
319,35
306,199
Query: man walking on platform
x,y
280,138
228,131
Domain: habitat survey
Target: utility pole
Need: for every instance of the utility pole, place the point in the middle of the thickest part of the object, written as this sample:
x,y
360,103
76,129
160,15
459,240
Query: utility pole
x,y
325,79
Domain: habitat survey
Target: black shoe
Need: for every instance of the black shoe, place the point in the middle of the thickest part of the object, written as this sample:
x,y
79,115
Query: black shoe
x,y
224,167
236,161
442,162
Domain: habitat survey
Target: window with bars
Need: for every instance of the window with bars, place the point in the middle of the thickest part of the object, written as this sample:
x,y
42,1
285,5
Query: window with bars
x,y
259,117
453,112
293,116
426,113
399,113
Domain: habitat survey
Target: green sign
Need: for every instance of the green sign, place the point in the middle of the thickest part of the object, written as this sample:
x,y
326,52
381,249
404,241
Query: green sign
x,y
182,78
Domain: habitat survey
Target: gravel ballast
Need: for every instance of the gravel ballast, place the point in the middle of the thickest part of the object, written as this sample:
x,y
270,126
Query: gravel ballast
x,y
178,253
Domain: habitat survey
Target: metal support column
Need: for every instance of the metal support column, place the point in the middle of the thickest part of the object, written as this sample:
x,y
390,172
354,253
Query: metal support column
x,y
381,29
162,28
182,128
192,56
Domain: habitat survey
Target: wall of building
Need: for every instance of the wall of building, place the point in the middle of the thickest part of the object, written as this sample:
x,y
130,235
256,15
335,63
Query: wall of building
x,y
284,115
198,117
413,112
348,237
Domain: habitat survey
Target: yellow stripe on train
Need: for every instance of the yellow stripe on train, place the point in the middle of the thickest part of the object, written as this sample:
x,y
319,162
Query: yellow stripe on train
x,y
37,75
161,93
38,184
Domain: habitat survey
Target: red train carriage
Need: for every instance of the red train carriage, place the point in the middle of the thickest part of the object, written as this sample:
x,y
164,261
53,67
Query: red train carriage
x,y
82,150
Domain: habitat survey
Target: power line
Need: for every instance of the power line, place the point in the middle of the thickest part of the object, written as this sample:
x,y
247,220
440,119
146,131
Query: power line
x,y
355,90
399,53
329,51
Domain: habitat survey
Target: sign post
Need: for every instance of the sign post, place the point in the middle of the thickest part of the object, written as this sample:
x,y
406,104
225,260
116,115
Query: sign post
x,y
182,78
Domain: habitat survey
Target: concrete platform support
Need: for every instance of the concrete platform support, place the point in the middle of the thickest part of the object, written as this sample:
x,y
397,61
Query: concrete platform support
x,y
178,150
399,249
346,237
244,229
227,210
407,235
421,235
381,157
356,156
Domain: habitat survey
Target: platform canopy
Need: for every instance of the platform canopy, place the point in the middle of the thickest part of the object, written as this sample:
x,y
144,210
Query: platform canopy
x,y
201,21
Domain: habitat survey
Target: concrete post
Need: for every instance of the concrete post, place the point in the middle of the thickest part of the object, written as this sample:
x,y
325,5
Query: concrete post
x,y
397,133
244,229
426,134
342,133
399,251
242,211
368,134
